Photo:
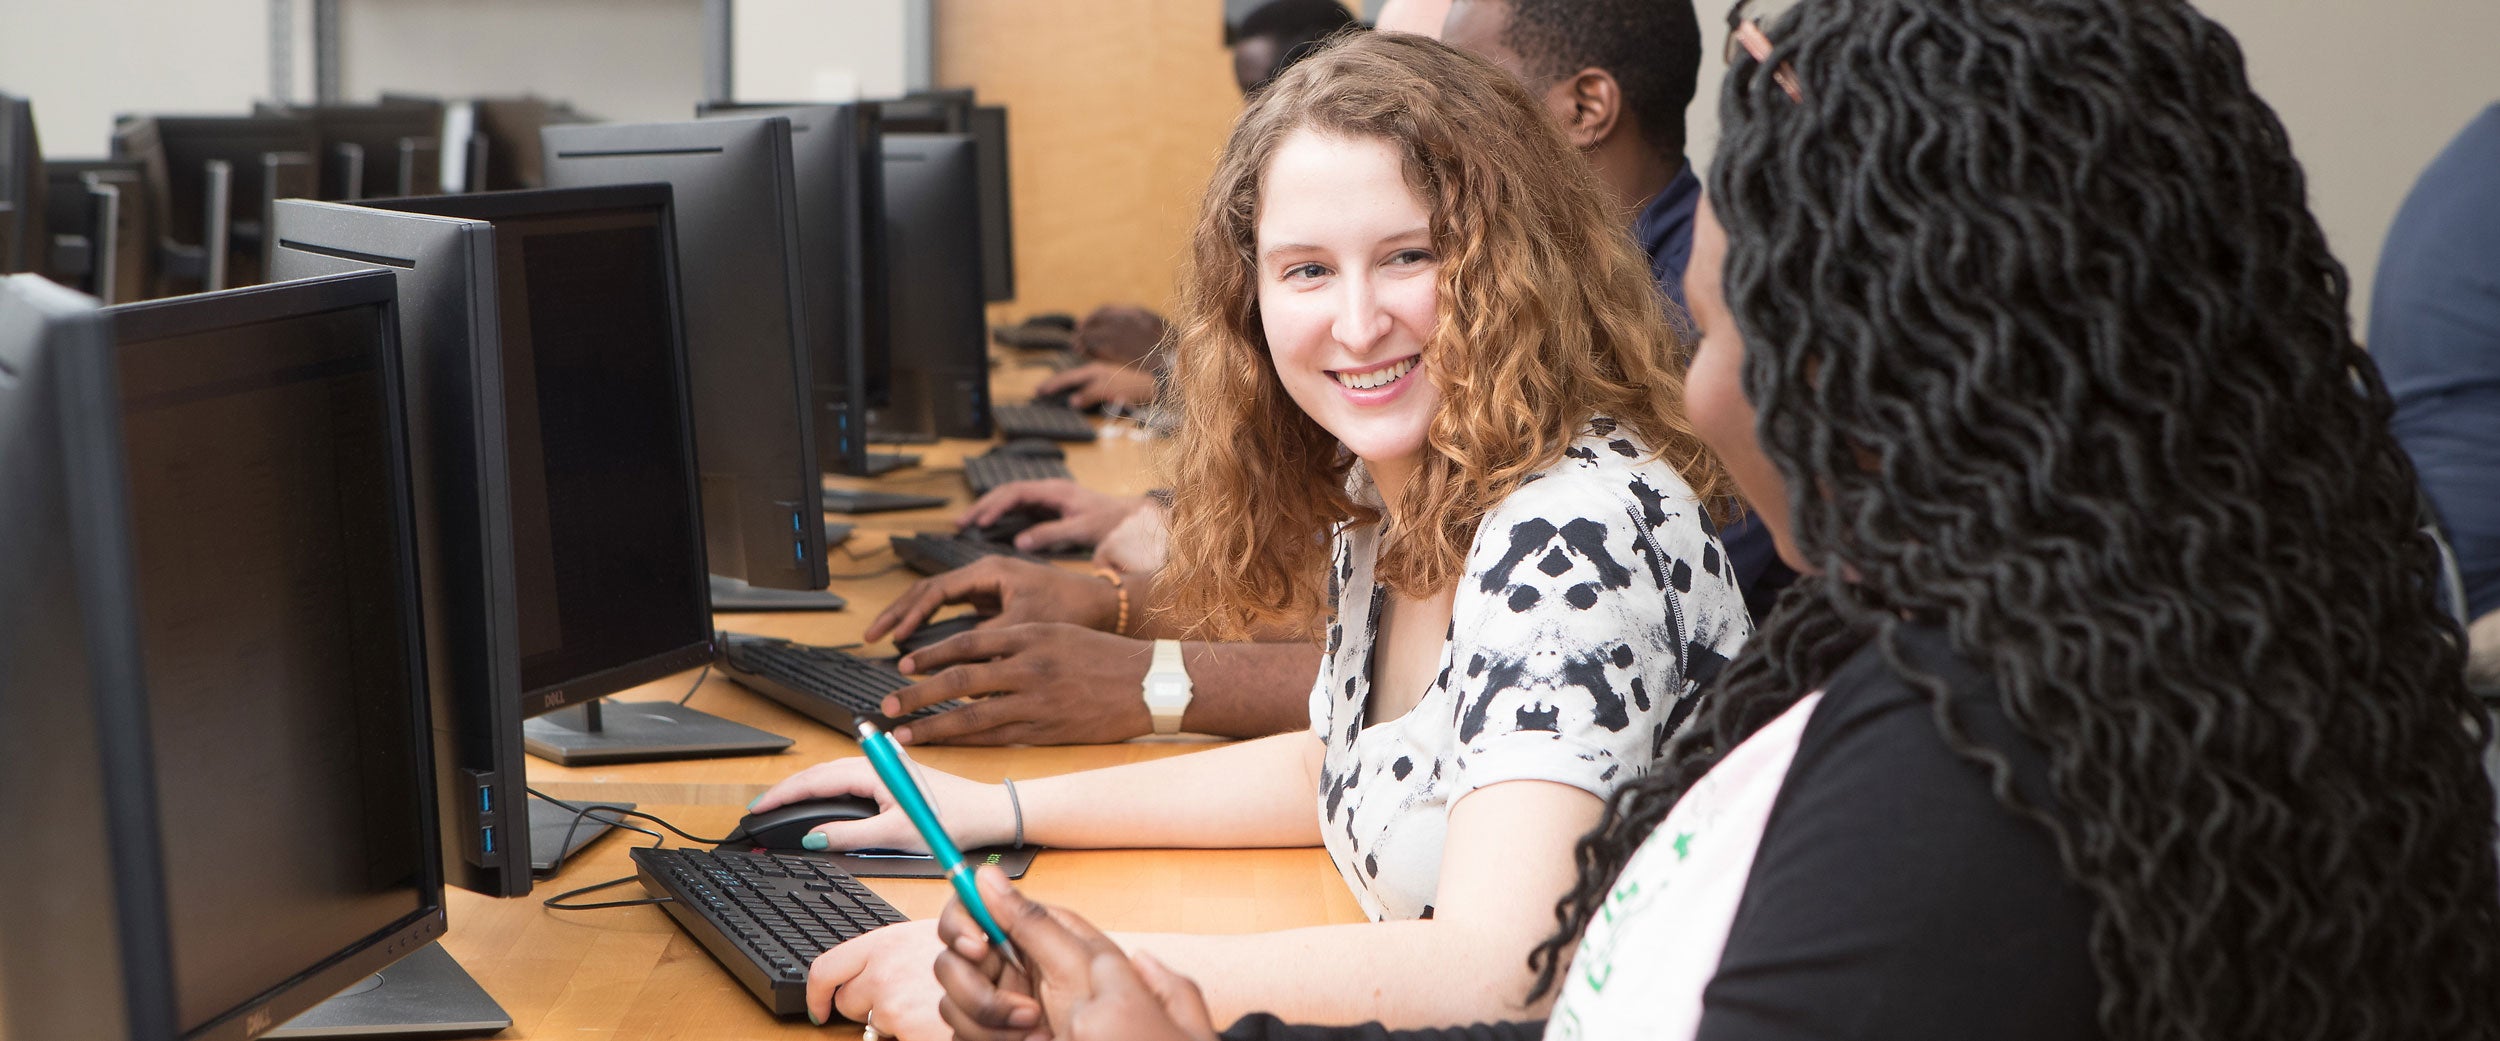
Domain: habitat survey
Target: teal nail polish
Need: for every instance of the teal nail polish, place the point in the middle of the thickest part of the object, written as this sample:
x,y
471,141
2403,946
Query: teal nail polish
x,y
818,843
751,803
811,1013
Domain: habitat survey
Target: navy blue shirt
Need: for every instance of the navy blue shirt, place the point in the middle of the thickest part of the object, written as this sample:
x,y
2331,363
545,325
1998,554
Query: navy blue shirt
x,y
2435,333
1665,231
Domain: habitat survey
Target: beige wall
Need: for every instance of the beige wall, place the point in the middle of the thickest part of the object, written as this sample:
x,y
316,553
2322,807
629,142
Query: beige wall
x,y
85,61
1118,110
623,60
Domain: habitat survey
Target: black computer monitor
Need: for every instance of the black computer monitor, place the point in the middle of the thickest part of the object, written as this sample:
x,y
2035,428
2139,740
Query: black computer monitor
x,y
746,322
933,282
95,212
177,152
841,210
559,535
381,151
82,953
23,243
947,111
505,139
271,538
998,240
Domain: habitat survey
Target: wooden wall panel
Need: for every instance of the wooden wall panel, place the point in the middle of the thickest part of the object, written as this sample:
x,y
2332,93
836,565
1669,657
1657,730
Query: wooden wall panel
x,y
1116,112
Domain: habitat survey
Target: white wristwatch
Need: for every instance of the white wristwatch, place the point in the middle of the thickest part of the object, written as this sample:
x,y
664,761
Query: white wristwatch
x,y
1167,687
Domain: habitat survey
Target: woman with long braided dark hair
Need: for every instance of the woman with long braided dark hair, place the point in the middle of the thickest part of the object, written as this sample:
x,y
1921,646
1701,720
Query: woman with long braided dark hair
x,y
2118,702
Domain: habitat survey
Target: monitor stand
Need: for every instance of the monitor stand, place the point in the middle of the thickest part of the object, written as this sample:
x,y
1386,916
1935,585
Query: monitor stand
x,y
601,732
425,994
730,594
550,824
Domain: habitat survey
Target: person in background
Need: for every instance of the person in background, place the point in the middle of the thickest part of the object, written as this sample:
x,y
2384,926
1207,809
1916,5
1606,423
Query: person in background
x,y
1420,17
1617,75
2114,703
2435,333
1123,342
1428,392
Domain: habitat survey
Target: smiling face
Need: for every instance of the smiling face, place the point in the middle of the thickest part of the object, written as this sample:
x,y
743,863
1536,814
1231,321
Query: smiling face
x,y
1714,389
1348,294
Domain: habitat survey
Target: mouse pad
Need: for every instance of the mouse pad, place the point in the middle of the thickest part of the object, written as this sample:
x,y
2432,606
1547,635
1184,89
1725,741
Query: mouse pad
x,y
914,865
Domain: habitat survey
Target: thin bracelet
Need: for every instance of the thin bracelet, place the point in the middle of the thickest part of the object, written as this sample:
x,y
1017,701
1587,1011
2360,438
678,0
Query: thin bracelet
x,y
1016,805
1119,585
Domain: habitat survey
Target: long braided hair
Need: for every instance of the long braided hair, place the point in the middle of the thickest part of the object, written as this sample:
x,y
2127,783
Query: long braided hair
x,y
2096,412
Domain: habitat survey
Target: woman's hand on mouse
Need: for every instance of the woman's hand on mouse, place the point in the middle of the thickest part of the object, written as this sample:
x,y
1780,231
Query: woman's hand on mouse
x,y
976,814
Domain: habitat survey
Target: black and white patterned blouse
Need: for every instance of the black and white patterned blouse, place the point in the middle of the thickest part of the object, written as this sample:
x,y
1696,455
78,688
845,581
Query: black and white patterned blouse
x,y
1595,600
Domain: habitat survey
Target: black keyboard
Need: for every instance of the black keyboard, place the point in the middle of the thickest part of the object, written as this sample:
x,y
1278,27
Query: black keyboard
x,y
832,687
938,554
765,916
1057,422
984,472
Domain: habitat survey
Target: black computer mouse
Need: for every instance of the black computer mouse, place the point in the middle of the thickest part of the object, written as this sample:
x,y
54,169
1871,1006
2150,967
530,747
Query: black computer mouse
x,y
1012,523
1056,398
782,827
1032,448
935,631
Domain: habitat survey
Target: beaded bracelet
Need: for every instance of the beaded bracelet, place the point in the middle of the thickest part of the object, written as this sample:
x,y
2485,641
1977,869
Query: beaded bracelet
x,y
1119,585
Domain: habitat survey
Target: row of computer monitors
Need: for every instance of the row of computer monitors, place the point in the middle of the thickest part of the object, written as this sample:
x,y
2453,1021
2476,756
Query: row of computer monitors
x,y
291,575
184,204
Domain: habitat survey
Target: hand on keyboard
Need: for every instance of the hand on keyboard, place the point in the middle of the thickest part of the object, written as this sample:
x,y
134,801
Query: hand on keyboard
x,y
1049,684
1011,589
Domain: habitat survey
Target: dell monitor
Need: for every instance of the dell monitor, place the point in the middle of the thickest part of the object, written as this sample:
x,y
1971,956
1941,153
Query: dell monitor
x,y
998,242
82,952
841,212
180,154
746,323
559,535
269,531
933,282
375,151
23,242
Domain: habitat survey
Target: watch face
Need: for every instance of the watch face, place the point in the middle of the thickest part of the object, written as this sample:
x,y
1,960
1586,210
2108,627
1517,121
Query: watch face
x,y
1165,689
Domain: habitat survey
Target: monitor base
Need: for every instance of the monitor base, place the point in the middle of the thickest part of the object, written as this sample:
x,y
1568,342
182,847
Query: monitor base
x,y
550,824
729,594
640,732
425,994
879,464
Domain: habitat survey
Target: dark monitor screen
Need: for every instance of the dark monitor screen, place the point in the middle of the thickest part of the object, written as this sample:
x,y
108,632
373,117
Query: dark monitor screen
x,y
841,188
23,243
277,601
603,532
927,112
998,241
554,461
933,280
82,950
746,321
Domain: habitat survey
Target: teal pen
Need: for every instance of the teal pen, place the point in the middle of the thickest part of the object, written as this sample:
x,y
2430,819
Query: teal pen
x,y
889,763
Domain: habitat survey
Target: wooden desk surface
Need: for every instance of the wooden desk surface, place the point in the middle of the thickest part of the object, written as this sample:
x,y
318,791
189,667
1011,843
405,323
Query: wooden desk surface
x,y
630,973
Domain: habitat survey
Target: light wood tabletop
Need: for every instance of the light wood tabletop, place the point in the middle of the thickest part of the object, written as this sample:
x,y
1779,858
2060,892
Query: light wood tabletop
x,y
630,973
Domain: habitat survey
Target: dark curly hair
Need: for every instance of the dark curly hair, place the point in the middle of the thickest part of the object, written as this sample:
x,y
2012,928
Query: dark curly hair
x,y
1651,47
2098,414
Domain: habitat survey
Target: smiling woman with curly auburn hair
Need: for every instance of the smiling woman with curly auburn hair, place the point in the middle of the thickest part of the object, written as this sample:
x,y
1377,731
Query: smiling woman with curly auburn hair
x,y
1432,393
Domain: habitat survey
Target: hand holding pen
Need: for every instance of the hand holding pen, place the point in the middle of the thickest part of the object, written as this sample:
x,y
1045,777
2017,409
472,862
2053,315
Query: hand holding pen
x,y
1087,987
